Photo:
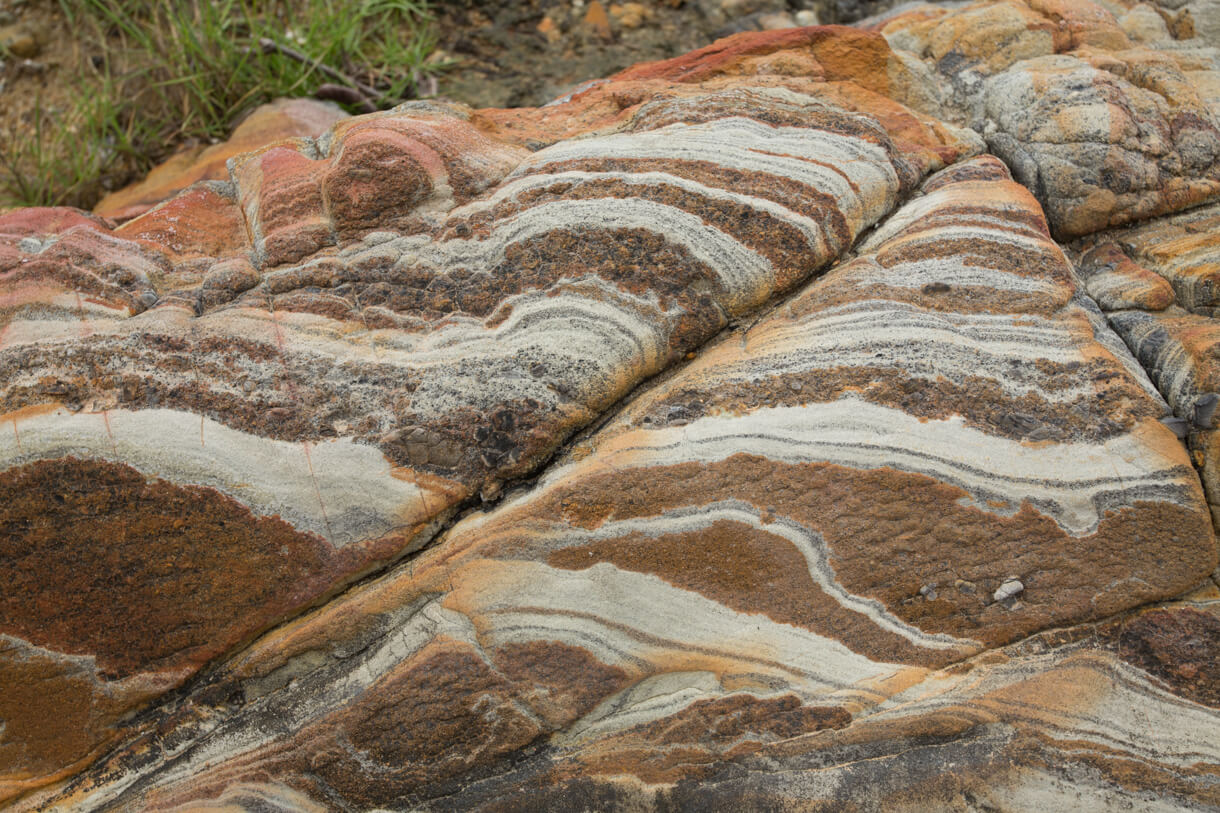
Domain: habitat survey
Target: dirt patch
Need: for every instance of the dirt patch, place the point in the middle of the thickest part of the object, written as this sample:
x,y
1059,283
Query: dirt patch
x,y
37,48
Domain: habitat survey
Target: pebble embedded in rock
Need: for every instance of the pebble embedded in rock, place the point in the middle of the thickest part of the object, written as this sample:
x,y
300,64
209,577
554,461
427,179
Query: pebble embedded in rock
x,y
1011,588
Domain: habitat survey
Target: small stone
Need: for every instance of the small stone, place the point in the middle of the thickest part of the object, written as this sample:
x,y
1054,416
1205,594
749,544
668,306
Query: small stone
x,y
393,436
1011,588
928,591
28,67
775,22
807,18
630,15
597,20
18,42
964,586
740,8
549,29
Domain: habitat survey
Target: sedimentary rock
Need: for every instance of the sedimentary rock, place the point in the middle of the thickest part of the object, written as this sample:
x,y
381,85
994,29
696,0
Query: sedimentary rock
x,y
1179,345
1182,352
1115,282
307,369
281,119
1102,129
1182,249
914,532
701,579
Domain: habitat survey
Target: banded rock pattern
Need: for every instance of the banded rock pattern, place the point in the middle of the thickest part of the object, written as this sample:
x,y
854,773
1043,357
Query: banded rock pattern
x,y
1184,251
265,388
906,516
281,119
692,607
1116,282
1182,350
1108,112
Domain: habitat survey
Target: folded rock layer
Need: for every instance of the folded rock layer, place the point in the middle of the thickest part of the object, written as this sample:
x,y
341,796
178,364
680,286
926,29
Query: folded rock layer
x,y
926,454
885,537
256,393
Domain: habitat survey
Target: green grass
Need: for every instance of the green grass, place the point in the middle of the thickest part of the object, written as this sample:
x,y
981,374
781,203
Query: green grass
x,y
172,71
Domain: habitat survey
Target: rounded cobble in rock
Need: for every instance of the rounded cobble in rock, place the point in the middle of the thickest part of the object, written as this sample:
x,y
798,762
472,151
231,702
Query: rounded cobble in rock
x,y
1011,588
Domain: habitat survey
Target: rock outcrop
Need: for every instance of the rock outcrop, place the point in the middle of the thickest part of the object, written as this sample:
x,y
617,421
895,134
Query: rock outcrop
x,y
1102,127
281,119
727,434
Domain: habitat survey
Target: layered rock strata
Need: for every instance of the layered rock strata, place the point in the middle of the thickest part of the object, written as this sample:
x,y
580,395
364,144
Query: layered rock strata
x,y
1175,337
913,533
283,119
232,406
700,582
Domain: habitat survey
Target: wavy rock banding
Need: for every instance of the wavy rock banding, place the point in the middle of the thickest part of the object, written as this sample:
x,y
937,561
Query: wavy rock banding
x,y
354,335
711,554
899,499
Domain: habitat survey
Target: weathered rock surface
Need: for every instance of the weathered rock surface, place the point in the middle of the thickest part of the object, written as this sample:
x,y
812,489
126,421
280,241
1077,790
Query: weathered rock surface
x,y
699,578
281,119
1179,345
915,533
306,369
1116,282
1102,128
1185,251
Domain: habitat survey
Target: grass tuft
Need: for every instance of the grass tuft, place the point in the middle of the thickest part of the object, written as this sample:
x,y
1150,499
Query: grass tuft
x,y
175,71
